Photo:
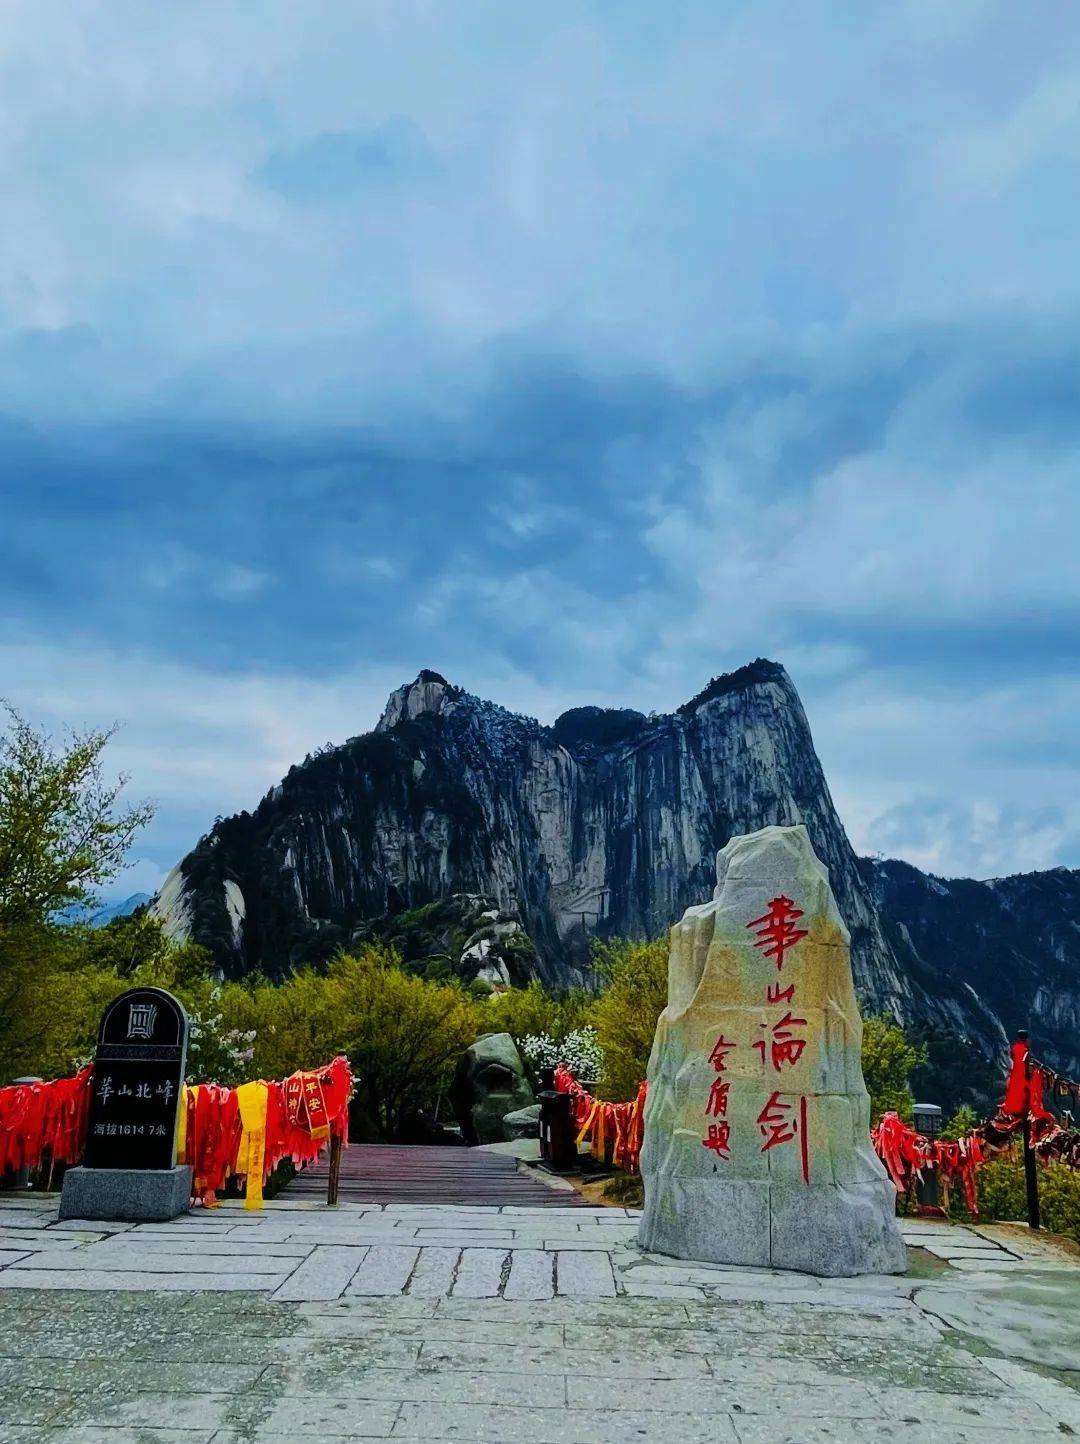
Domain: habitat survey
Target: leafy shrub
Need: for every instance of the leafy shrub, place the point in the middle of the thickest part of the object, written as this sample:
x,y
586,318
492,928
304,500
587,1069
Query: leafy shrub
x,y
634,979
401,1033
1000,1184
888,1060
962,1121
217,1053
1059,1199
50,1005
55,982
403,1038
1003,1193
521,1011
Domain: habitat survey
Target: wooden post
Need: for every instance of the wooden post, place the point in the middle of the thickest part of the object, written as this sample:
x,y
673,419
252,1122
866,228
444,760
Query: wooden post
x,y
335,1171
1031,1173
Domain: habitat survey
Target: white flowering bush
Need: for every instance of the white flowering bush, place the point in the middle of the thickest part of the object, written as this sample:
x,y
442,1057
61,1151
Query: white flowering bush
x,y
578,1050
217,1054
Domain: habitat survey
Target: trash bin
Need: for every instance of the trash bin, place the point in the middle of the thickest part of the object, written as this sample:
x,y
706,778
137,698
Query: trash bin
x,y
928,1188
558,1149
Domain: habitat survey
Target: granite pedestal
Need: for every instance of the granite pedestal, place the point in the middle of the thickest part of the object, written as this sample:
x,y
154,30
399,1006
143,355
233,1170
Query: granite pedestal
x,y
126,1195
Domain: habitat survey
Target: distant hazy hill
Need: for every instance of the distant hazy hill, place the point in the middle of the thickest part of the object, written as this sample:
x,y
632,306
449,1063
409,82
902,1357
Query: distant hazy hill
x,y
101,913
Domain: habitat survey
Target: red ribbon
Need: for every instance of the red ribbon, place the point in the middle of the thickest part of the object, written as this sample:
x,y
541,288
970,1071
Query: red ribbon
x,y
47,1120
621,1123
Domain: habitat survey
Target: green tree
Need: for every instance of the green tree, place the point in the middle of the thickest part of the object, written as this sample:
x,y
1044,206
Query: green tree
x,y
407,1035
634,978
402,1034
888,1060
63,831
532,1010
962,1122
55,983
50,1000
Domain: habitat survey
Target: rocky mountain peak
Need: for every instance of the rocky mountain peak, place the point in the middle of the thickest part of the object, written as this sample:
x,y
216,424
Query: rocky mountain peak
x,y
754,673
428,693
597,726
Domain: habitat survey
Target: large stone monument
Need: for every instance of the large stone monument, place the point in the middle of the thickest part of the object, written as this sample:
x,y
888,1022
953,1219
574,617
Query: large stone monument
x,y
129,1169
757,1147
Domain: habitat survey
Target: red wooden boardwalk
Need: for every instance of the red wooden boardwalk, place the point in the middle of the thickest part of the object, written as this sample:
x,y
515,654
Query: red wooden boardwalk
x,y
408,1173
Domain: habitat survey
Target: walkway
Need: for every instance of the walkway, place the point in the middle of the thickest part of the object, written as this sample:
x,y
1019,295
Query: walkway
x,y
391,1173
411,1322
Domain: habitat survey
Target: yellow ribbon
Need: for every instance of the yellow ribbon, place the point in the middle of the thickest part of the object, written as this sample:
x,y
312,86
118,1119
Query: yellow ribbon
x,y
181,1123
595,1112
251,1098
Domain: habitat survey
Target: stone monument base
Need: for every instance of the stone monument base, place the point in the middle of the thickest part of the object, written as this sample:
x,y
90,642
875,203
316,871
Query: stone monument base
x,y
126,1195
836,1231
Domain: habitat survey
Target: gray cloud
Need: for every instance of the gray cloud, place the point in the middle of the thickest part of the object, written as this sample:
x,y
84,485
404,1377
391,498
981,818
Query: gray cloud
x,y
578,354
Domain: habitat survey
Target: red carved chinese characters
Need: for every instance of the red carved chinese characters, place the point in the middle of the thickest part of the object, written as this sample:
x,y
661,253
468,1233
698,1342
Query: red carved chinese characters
x,y
783,1046
786,1047
719,1138
783,1118
776,930
718,1099
718,1056
782,1122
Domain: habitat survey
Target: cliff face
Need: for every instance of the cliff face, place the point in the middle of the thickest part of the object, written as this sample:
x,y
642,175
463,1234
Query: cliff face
x,y
1013,941
607,822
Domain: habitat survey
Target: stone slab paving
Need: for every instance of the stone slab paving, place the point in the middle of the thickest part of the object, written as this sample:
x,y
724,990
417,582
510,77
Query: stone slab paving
x,y
531,1276
480,1273
434,1323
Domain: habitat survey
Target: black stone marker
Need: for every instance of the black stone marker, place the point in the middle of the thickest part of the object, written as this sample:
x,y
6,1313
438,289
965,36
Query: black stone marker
x,y
138,1082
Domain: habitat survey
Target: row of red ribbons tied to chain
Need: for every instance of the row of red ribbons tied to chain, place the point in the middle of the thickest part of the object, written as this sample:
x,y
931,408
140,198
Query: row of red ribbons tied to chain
x,y
223,1133
613,1130
906,1154
245,1132
44,1124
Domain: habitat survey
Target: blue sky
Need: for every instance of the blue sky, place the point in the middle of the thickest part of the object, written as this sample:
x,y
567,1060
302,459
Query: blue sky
x,y
580,352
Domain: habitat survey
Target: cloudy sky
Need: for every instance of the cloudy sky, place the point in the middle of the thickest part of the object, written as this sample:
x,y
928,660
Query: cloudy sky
x,y
578,351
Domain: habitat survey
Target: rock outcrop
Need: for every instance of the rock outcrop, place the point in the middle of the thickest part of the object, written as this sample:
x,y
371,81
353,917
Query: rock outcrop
x,y
460,936
757,1121
604,823
489,1084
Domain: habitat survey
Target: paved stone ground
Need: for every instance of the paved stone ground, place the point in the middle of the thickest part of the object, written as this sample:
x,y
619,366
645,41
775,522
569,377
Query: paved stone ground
x,y
431,1323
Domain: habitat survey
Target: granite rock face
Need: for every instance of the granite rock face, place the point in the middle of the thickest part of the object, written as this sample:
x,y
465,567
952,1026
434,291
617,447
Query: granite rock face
x,y
460,935
757,1146
605,823
1013,942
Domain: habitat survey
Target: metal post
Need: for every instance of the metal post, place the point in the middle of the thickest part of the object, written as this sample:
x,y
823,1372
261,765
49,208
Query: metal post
x,y
335,1171
1031,1174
